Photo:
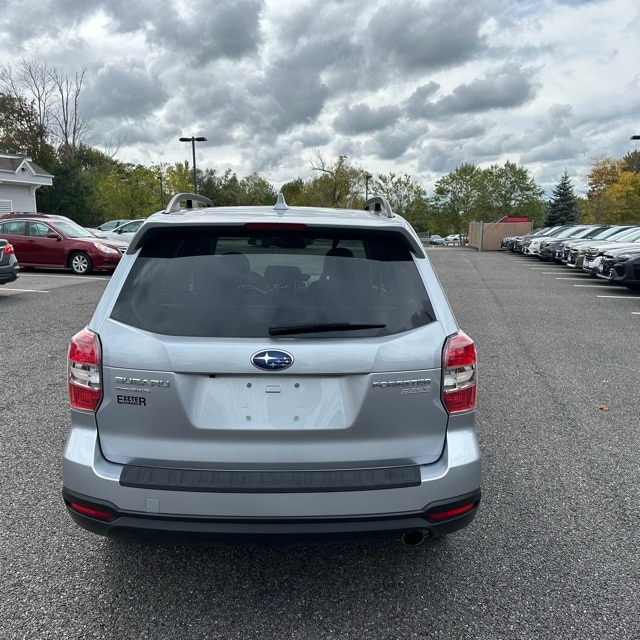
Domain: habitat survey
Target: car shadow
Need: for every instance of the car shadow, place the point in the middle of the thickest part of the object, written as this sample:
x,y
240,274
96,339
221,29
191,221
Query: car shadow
x,y
253,590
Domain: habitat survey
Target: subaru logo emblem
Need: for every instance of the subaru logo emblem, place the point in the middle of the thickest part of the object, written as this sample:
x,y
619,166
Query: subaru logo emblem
x,y
272,360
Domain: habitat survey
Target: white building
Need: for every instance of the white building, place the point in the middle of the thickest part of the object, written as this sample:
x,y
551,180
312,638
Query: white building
x,y
20,178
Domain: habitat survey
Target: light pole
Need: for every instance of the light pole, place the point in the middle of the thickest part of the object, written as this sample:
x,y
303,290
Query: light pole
x,y
193,141
367,177
161,191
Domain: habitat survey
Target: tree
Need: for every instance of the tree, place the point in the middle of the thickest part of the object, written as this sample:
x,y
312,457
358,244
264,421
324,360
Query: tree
x,y
176,179
406,197
624,198
224,190
338,185
293,191
20,131
471,194
632,161
563,206
54,99
256,191
70,125
127,191
604,172
456,197
509,191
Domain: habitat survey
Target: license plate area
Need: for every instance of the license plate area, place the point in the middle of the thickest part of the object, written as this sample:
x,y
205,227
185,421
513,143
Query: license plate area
x,y
271,403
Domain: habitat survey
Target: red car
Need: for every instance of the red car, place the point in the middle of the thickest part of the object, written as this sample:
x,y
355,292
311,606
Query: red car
x,y
57,242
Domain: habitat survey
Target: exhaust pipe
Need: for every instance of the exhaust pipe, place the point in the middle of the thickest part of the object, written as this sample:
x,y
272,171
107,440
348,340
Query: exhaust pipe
x,y
415,538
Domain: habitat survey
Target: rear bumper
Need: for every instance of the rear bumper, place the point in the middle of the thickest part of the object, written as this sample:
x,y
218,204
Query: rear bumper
x,y
9,273
270,532
298,516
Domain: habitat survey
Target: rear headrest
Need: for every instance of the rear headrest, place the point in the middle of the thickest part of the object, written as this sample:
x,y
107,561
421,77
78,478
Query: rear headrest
x,y
340,252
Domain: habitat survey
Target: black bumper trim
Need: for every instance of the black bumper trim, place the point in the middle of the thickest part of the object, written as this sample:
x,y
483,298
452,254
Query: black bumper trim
x,y
145,528
214,481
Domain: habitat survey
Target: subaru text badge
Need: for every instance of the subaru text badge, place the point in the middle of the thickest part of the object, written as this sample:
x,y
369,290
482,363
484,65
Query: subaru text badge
x,y
272,360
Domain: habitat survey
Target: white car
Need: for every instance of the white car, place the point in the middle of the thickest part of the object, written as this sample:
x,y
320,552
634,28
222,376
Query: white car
x,y
125,232
454,238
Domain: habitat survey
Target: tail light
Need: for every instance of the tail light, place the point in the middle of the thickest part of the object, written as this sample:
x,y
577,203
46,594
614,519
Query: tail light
x,y
92,512
85,371
459,374
8,249
452,513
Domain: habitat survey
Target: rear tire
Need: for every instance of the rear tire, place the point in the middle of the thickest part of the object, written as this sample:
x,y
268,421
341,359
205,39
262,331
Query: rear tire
x,y
80,263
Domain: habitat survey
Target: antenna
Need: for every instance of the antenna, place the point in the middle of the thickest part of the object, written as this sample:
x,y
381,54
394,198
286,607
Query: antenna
x,y
281,205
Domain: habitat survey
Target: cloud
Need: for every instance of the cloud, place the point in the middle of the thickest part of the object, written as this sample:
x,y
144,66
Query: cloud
x,y
129,91
361,118
409,86
506,88
427,36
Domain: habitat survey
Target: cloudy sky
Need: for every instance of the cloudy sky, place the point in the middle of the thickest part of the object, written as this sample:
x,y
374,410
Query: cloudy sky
x,y
403,86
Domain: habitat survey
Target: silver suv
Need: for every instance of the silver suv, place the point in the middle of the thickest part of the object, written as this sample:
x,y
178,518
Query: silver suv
x,y
315,390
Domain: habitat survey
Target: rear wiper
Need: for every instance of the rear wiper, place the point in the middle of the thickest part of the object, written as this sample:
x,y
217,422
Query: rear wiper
x,y
316,327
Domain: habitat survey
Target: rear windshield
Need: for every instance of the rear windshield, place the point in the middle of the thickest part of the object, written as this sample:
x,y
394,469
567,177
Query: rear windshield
x,y
225,283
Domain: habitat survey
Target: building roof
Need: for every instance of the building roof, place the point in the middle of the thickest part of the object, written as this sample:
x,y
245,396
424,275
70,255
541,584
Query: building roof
x,y
17,165
513,219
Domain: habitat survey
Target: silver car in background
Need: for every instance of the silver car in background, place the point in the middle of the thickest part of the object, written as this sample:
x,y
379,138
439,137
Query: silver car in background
x,y
315,391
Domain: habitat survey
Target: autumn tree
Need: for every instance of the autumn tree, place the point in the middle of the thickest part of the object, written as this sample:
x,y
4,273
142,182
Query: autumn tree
x,y
604,173
624,199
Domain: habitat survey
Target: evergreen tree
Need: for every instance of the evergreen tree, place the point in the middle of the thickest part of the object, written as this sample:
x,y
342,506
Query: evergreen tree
x,y
632,161
563,206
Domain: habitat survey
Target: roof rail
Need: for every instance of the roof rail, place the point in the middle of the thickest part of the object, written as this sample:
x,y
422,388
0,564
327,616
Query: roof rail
x,y
191,198
378,204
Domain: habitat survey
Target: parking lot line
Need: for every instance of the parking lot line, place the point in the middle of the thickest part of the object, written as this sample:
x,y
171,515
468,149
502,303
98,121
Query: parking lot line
x,y
594,286
622,297
26,290
50,275
573,278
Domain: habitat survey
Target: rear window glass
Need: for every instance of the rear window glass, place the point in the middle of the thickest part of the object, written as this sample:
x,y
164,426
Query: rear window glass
x,y
225,283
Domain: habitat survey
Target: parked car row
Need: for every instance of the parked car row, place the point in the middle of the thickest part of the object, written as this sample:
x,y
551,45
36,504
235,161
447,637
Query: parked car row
x,y
451,239
609,252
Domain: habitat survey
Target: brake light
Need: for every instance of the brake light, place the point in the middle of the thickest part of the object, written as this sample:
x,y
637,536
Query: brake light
x,y
8,249
275,226
84,368
459,374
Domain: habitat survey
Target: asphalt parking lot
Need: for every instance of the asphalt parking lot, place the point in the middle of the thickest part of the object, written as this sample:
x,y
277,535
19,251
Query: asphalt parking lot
x,y
553,551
